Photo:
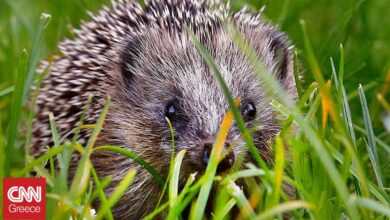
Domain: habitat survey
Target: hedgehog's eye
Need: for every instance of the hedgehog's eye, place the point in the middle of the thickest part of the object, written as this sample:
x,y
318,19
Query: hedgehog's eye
x,y
250,111
170,111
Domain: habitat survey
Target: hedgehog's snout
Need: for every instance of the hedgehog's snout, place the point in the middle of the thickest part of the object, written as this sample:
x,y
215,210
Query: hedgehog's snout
x,y
227,156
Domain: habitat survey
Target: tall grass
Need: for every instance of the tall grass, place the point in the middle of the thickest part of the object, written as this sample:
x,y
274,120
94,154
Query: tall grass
x,y
339,156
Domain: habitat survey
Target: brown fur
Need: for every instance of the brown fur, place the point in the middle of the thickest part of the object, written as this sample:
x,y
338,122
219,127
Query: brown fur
x,y
144,60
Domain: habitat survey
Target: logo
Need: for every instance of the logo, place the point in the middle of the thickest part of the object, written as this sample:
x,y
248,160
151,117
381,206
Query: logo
x,y
24,198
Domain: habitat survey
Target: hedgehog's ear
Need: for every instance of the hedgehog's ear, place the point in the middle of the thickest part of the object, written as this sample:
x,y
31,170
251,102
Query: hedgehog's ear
x,y
129,59
281,55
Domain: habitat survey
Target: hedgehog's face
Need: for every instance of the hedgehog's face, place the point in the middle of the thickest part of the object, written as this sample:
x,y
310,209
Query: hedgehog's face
x,y
166,78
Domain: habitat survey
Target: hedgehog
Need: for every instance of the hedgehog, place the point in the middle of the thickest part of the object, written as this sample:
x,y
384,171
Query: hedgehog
x,y
144,59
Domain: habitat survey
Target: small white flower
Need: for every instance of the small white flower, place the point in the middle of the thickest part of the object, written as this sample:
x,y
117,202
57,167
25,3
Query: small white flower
x,y
93,212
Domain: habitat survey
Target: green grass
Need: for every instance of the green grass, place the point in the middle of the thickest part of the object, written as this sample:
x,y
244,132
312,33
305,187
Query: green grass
x,y
339,159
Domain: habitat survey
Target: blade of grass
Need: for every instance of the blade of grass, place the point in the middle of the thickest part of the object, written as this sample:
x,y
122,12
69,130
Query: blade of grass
x,y
341,66
334,74
171,129
102,195
284,207
246,210
165,185
83,170
82,118
373,205
87,211
157,211
251,172
55,138
54,132
381,143
136,158
63,158
221,213
354,94
379,193
178,206
278,170
15,112
185,201
296,75
31,115
174,178
187,186
306,96
371,145
51,162
116,194
103,184
43,173
347,115
6,91
35,52
50,153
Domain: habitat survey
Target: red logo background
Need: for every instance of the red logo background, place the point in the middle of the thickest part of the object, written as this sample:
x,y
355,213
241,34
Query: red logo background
x,y
9,206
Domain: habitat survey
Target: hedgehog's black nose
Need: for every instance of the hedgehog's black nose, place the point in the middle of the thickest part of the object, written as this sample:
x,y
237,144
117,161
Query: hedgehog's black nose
x,y
227,161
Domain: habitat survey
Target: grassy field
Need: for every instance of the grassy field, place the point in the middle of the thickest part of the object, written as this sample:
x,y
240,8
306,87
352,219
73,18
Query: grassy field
x,y
340,157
